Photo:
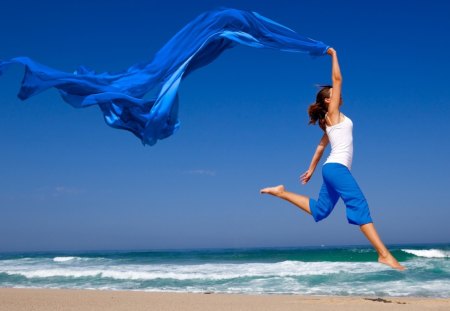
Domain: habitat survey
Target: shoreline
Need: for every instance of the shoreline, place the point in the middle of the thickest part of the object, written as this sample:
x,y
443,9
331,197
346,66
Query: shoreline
x,y
18,299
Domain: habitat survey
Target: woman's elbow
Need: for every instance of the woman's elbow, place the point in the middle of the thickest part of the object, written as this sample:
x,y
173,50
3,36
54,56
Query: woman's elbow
x,y
320,149
337,79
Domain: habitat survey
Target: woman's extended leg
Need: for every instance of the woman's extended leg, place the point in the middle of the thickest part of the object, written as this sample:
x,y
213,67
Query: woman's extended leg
x,y
384,256
298,200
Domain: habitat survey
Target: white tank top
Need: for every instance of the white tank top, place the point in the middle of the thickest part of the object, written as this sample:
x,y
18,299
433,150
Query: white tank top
x,y
340,136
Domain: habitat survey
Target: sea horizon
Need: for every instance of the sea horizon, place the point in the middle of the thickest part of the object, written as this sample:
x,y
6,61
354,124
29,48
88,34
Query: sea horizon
x,y
212,248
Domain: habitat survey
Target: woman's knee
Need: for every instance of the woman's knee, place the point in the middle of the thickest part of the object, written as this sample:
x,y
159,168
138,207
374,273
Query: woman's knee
x,y
320,209
359,214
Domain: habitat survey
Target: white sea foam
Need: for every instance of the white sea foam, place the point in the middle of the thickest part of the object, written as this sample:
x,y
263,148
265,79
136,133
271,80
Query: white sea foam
x,y
428,253
309,278
63,259
199,272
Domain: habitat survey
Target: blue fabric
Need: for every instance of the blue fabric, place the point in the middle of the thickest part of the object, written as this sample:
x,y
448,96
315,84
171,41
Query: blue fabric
x,y
338,182
120,96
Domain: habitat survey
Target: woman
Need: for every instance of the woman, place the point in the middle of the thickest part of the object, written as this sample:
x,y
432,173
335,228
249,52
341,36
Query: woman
x,y
337,179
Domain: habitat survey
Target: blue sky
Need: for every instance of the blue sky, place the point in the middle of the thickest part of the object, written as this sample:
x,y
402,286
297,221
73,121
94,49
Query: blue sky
x,y
70,182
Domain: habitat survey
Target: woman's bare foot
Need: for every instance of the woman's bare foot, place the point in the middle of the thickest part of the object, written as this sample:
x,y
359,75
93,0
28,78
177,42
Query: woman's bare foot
x,y
390,261
276,191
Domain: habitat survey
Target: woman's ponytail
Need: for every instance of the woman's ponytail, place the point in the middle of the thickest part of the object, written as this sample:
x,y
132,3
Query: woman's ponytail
x,y
317,110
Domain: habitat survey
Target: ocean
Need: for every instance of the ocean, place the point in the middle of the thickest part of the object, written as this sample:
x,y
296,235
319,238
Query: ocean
x,y
340,271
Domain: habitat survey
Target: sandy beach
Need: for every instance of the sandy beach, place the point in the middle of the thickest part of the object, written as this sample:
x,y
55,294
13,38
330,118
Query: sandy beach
x,y
12,299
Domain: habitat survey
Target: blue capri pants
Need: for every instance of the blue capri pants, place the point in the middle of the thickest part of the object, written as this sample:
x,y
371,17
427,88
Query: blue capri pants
x,y
338,182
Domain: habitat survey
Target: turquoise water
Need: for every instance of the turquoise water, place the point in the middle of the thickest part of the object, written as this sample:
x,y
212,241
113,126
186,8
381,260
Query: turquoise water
x,y
307,271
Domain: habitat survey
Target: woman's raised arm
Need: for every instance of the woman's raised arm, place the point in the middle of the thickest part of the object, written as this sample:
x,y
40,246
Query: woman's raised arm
x,y
336,77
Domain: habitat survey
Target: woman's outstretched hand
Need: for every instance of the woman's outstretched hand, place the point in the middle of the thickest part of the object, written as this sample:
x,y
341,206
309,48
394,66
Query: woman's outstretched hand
x,y
306,176
331,51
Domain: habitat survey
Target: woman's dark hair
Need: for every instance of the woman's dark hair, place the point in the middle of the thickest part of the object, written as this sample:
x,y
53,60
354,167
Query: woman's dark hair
x,y
318,110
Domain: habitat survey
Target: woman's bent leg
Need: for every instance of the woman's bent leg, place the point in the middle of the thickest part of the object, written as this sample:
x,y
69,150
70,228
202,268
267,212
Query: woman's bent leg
x,y
340,178
298,200
384,256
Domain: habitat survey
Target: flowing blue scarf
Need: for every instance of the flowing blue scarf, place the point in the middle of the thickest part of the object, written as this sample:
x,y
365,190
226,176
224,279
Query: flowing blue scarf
x,y
120,96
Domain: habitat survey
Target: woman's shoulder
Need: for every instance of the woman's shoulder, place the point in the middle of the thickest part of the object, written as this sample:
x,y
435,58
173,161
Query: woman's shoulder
x,y
339,119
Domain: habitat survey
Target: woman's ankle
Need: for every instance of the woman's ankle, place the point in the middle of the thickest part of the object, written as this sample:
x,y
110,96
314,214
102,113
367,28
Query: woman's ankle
x,y
384,253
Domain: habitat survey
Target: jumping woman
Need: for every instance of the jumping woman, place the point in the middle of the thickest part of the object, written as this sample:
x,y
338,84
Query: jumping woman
x,y
338,182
